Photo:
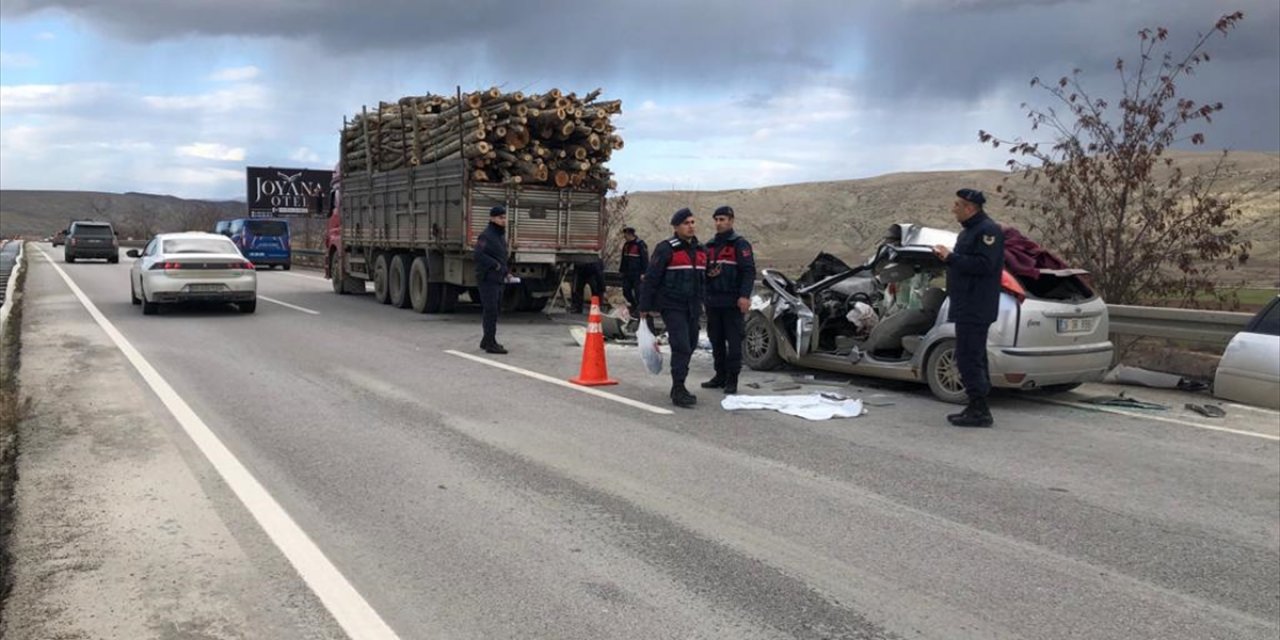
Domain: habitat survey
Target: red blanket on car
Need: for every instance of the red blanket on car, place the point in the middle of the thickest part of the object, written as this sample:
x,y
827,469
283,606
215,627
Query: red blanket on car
x,y
1025,257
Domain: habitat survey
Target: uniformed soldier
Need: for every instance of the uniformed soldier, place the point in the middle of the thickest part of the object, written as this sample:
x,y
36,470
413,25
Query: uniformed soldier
x,y
974,267
673,287
731,275
635,261
491,273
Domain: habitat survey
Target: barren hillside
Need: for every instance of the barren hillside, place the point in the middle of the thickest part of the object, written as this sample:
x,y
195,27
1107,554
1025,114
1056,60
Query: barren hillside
x,y
789,224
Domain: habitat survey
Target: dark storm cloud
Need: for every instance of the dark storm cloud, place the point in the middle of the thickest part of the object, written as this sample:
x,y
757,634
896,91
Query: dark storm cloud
x,y
890,53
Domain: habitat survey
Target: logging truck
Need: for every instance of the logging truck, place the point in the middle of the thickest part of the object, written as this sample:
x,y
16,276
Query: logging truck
x,y
413,190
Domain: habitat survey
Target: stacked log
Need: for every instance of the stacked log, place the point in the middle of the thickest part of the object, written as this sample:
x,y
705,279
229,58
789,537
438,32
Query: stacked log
x,y
552,139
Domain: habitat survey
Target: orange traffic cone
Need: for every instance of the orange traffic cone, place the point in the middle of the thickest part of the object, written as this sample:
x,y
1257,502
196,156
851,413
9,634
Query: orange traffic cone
x,y
594,371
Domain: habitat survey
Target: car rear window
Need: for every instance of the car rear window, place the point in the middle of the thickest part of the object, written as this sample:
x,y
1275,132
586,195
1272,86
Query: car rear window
x,y
268,227
1052,287
199,245
92,230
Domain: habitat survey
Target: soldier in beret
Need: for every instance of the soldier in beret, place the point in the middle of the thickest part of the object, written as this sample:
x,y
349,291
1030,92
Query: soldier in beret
x,y
974,267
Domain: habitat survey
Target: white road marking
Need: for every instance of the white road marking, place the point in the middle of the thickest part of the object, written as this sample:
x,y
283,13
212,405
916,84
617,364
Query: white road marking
x,y
563,383
347,606
1143,416
1246,407
286,304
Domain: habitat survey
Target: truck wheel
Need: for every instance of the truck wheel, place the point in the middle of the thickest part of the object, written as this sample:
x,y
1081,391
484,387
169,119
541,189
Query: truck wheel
x,y
381,292
336,273
424,294
759,345
398,280
943,375
449,297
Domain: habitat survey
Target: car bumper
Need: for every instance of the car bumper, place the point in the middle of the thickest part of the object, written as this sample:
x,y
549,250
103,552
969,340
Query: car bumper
x,y
260,260
82,252
165,289
1031,368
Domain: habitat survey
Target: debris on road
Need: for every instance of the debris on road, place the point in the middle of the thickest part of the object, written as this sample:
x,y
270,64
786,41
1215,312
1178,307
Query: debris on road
x,y
1137,376
1123,400
1207,410
786,386
813,406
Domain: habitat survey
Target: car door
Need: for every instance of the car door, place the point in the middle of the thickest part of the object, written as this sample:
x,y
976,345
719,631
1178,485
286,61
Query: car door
x,y
1249,370
142,263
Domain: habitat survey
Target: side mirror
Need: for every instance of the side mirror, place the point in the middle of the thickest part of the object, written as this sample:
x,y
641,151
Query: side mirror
x,y
132,253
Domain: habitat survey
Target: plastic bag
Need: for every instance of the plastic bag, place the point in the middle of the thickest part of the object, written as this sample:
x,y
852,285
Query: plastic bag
x,y
649,348
863,317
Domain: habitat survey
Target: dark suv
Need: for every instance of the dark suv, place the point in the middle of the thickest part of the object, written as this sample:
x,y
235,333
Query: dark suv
x,y
89,239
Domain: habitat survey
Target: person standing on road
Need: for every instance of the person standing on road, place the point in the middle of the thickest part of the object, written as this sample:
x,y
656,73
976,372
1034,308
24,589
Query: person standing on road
x,y
584,274
973,284
673,287
731,275
635,261
492,273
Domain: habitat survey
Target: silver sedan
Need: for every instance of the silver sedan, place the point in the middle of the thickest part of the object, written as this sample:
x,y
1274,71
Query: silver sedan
x,y
191,267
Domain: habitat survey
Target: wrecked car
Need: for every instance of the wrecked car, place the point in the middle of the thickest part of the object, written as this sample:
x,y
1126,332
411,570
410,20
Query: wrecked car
x,y
887,318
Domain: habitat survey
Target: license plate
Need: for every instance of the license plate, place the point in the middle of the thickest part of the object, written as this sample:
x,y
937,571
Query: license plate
x,y
1075,325
205,287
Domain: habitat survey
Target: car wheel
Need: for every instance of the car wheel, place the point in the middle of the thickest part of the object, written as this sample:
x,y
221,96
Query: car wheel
x,y
286,267
398,280
133,295
68,258
943,375
114,259
381,292
759,345
149,308
248,307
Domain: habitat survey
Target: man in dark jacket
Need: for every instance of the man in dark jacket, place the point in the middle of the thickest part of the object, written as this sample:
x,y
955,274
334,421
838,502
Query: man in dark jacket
x,y
491,274
731,275
586,274
974,267
635,261
673,287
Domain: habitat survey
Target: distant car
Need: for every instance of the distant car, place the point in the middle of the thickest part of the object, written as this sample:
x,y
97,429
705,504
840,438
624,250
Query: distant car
x,y
887,318
193,266
60,238
1249,370
91,239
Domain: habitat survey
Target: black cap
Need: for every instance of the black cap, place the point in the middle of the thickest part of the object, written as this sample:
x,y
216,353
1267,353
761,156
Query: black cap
x,y
972,195
680,216
725,210
629,230
498,211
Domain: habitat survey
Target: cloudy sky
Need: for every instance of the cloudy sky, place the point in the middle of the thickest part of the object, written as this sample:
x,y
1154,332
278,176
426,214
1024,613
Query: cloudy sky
x,y
178,96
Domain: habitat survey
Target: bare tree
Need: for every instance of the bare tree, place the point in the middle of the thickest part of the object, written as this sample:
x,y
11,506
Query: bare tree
x,y
145,220
201,215
1104,195
613,219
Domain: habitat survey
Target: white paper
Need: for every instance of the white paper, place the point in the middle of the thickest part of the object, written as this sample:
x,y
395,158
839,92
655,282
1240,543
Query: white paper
x,y
814,406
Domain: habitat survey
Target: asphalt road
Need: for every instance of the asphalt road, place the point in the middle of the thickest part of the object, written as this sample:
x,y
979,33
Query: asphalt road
x,y
461,500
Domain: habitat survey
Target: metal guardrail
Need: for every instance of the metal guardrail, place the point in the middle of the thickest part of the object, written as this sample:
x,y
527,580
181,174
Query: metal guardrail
x,y
1192,325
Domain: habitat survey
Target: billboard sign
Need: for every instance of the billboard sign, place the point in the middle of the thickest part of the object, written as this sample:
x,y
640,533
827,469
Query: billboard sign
x,y
276,192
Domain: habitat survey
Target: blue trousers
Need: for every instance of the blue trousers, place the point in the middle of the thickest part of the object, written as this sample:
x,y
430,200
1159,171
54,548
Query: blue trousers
x,y
491,302
682,336
971,358
724,327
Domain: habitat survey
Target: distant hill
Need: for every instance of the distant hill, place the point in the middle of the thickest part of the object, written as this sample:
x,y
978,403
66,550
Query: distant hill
x,y
788,224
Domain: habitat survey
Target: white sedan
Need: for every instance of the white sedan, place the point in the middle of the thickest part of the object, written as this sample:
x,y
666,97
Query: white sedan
x,y
191,267
1249,371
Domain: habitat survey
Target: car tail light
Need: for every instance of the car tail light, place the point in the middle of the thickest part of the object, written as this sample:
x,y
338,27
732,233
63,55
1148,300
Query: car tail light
x,y
1011,284
246,265
1014,378
72,242
166,266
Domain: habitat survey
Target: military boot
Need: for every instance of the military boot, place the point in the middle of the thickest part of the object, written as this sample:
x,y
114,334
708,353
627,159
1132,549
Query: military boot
x,y
979,417
964,413
715,382
681,396
731,384
494,347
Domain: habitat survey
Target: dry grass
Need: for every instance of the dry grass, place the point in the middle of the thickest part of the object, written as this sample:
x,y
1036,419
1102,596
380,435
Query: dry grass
x,y
13,409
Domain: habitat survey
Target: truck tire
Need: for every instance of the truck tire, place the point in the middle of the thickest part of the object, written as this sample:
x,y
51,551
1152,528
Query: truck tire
x,y
380,291
942,374
449,297
336,273
398,280
424,294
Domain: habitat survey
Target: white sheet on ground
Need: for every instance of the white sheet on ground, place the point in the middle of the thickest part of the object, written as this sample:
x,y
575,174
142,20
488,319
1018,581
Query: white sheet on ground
x,y
813,406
